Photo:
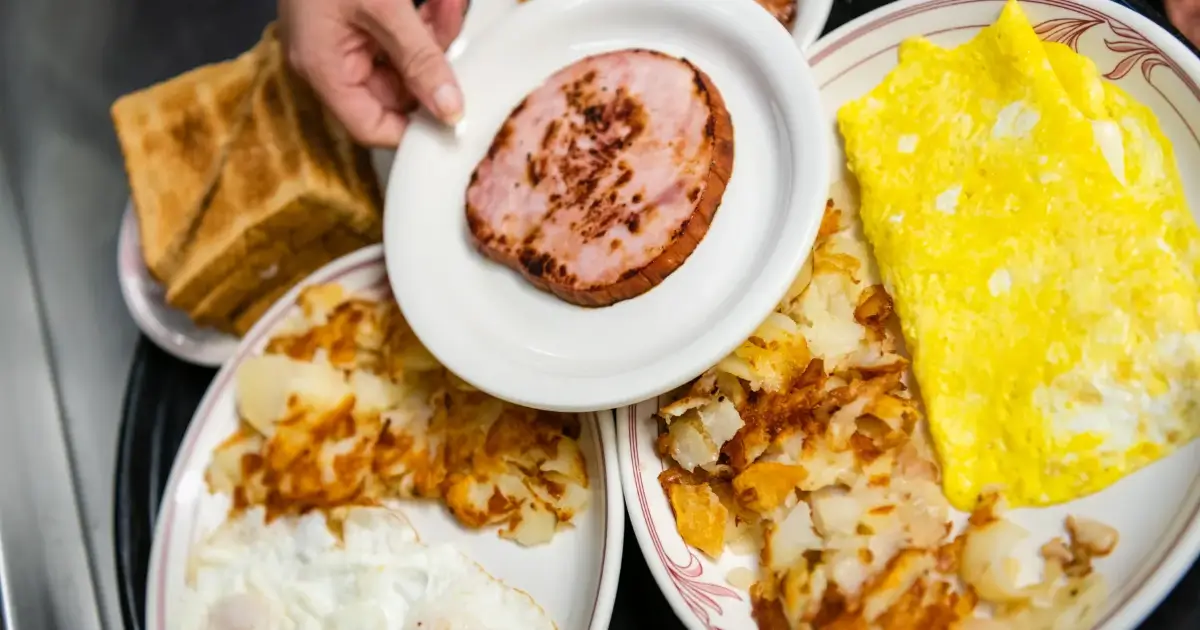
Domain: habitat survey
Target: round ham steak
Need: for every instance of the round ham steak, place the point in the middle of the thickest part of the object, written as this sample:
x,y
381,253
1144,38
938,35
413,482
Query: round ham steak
x,y
602,181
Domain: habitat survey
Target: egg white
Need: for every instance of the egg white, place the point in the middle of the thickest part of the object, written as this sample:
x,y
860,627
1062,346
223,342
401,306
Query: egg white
x,y
295,574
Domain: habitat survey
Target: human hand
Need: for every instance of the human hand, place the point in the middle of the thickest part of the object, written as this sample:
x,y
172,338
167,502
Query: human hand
x,y
369,59
1185,15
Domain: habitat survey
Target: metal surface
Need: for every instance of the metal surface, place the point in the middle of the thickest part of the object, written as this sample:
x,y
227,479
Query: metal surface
x,y
64,332
43,563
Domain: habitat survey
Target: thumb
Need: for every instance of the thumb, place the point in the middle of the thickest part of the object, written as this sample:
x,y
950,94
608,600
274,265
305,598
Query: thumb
x,y
400,32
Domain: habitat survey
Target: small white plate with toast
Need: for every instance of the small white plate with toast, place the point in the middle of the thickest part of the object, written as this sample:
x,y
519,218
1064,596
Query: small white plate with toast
x,y
220,226
492,327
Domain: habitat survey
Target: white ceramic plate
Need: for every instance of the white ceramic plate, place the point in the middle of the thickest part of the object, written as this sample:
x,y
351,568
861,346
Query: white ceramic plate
x,y
811,16
169,328
574,577
495,330
1156,510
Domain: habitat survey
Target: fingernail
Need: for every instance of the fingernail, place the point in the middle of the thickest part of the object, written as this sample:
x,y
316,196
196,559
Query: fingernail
x,y
449,101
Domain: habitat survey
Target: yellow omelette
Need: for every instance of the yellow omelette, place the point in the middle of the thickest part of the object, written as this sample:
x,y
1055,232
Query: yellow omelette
x,y
1030,223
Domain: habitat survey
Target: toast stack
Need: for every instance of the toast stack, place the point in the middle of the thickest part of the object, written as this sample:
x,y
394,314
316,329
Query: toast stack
x,y
243,185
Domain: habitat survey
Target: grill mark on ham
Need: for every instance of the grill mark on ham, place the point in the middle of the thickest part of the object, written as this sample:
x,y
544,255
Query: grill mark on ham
x,y
604,179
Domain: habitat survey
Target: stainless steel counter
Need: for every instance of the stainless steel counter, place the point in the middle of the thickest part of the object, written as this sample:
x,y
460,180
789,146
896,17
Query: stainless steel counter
x,y
65,336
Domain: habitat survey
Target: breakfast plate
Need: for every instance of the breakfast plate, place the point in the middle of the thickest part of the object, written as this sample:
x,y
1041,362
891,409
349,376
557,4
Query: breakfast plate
x,y
1155,511
500,334
573,577
169,328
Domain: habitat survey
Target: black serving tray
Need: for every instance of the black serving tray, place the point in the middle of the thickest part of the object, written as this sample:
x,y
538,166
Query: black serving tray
x,y
163,392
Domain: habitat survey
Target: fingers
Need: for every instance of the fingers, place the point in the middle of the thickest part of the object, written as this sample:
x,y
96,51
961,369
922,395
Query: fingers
x,y
335,51
415,53
445,18
364,98
366,112
388,88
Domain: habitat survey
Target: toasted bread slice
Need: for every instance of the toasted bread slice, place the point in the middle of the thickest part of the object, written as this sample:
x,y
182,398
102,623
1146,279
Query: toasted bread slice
x,y
247,317
174,136
268,267
244,321
291,174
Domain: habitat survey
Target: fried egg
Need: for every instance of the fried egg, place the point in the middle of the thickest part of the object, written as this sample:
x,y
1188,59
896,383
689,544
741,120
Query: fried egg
x,y
1028,219
297,573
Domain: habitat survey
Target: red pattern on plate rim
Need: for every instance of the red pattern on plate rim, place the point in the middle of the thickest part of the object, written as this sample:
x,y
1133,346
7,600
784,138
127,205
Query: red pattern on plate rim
x,y
690,579
699,596
1128,42
381,289
1136,49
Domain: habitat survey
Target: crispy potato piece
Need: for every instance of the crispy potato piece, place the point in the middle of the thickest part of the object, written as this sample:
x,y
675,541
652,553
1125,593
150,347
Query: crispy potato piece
x,y
763,486
699,516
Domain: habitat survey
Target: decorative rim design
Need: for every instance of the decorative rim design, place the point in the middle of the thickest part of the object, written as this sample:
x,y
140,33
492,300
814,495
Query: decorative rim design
x,y
1136,47
337,271
701,596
